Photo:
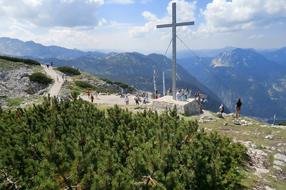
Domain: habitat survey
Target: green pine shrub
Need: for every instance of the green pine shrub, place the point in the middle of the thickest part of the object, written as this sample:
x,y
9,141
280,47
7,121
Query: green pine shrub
x,y
69,144
14,101
120,84
69,71
84,84
40,78
16,59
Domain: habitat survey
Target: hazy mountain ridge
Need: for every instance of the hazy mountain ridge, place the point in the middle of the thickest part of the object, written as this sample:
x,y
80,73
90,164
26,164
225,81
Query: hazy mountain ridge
x,y
9,46
276,55
244,73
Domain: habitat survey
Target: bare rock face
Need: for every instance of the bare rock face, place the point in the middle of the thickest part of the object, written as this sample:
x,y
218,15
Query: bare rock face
x,y
190,107
15,83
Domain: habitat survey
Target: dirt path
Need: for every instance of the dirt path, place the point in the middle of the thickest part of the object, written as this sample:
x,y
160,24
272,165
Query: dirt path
x,y
58,81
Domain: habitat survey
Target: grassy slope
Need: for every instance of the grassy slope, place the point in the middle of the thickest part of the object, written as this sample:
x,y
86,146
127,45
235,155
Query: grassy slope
x,y
256,134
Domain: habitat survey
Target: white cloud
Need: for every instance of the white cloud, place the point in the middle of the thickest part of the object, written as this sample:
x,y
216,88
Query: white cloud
x,y
120,1
185,12
75,24
49,13
225,15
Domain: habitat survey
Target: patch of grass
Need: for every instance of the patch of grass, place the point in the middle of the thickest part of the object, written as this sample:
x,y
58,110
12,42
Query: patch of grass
x,y
40,78
69,71
14,101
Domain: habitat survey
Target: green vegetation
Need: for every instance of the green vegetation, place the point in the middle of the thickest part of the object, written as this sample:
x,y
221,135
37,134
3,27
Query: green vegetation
x,y
69,71
72,144
22,60
14,101
282,123
120,84
84,84
40,78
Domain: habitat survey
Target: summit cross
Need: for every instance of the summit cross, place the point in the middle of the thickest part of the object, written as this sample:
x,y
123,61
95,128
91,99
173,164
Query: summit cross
x,y
174,25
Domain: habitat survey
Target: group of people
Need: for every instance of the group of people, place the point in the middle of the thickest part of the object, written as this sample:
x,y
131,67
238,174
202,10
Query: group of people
x,y
237,108
182,94
137,99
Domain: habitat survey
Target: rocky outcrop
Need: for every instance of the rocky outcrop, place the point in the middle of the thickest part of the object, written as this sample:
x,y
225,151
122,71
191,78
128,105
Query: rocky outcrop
x,y
15,83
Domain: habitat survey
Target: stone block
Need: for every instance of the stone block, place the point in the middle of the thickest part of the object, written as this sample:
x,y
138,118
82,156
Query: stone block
x,y
189,107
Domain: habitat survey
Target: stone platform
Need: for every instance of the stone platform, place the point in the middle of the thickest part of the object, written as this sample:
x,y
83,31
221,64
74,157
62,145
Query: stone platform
x,y
189,107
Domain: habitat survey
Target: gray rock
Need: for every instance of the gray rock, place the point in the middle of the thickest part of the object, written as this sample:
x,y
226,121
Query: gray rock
x,y
270,137
280,157
278,163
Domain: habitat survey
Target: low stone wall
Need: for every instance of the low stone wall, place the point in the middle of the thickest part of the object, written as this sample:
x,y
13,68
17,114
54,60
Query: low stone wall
x,y
190,107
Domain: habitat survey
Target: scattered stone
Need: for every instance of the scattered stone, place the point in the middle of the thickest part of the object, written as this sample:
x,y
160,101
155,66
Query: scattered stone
x,y
281,144
280,157
258,158
219,115
269,188
278,163
270,137
245,123
236,122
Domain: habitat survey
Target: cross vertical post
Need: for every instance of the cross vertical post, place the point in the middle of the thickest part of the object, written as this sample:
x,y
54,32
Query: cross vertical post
x,y
174,39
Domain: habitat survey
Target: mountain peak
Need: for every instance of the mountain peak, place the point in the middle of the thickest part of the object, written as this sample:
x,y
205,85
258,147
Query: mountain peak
x,y
238,57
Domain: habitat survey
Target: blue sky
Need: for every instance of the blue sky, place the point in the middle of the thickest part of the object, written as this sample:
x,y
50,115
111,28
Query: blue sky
x,y
130,25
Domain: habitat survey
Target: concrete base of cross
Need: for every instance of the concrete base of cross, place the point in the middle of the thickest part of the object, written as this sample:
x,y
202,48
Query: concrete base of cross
x,y
188,108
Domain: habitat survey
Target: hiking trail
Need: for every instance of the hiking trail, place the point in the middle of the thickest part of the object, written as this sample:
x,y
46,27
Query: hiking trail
x,y
58,81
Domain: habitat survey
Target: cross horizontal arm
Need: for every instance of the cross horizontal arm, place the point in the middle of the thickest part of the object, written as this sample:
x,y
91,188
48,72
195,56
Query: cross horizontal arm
x,y
185,23
177,24
164,25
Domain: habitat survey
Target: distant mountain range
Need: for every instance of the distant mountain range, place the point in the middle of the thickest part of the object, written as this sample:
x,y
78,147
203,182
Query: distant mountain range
x,y
132,68
15,47
258,77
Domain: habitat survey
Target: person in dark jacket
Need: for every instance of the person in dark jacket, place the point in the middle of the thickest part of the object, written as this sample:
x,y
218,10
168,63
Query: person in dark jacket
x,y
238,108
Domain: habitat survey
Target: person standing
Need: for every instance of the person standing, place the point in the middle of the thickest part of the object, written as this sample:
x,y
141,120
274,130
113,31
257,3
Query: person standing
x,y
126,99
221,108
92,98
238,108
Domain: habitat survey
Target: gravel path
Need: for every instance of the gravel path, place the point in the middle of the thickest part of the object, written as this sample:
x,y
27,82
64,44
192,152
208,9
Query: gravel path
x,y
58,81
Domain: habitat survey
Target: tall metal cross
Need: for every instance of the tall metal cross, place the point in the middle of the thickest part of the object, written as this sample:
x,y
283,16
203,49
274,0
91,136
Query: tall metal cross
x,y
174,35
